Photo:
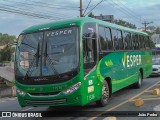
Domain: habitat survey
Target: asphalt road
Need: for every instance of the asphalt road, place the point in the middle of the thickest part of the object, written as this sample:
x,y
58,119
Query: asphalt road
x,y
122,100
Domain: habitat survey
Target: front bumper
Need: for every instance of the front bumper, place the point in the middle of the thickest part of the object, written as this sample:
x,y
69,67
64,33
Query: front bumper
x,y
74,99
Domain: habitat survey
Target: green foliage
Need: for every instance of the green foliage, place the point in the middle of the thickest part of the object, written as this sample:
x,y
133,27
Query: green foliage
x,y
158,30
5,39
5,53
151,44
125,24
91,15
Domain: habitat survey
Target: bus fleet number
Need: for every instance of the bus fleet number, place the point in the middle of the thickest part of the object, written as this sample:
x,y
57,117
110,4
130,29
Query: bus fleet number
x,y
90,97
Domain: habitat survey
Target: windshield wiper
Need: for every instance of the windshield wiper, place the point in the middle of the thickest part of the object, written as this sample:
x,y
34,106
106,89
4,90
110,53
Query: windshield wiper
x,y
51,61
35,58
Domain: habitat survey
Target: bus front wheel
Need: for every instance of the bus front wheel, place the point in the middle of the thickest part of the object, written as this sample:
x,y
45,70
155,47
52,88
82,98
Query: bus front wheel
x,y
105,95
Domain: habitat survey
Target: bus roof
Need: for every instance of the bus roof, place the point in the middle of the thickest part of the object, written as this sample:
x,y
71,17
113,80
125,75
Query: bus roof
x,y
77,21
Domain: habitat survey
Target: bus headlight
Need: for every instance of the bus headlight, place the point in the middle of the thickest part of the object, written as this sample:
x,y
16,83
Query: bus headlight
x,y
20,92
73,88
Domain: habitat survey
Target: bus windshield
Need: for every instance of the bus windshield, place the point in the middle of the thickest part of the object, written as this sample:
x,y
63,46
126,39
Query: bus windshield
x,y
47,53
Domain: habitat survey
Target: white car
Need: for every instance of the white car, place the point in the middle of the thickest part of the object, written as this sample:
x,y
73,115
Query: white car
x,y
156,67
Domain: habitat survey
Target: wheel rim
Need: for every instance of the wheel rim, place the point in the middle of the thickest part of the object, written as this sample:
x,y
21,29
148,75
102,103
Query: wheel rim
x,y
105,93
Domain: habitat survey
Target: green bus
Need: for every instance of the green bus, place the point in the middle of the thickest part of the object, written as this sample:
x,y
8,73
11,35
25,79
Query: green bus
x,y
78,61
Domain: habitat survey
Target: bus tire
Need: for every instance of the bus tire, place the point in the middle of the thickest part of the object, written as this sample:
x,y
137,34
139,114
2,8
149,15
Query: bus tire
x,y
138,84
105,95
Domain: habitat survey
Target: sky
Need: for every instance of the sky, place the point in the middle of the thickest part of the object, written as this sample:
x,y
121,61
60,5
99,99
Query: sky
x,y
133,11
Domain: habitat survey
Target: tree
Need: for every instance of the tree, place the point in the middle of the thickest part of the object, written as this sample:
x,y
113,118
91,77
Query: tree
x,y
91,14
6,52
5,39
125,24
157,30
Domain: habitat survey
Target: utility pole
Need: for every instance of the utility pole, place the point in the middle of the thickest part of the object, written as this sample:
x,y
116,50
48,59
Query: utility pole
x,y
145,24
81,10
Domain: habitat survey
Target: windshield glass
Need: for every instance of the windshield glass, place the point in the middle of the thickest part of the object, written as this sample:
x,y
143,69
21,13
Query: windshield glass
x,y
48,53
61,54
26,56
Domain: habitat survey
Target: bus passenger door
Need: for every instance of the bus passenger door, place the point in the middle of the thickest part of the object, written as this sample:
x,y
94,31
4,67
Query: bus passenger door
x,y
90,60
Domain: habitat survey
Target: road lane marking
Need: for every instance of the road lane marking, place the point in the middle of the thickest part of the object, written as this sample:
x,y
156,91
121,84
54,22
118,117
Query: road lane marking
x,y
110,118
151,99
154,97
27,109
149,91
122,103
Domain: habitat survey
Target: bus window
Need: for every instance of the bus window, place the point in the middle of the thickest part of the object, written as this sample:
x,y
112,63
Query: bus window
x,y
143,42
120,40
115,39
140,42
102,38
108,38
127,42
134,41
147,42
137,42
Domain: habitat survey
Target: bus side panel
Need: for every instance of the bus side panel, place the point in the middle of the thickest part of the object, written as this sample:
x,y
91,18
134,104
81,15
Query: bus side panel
x,y
147,64
123,68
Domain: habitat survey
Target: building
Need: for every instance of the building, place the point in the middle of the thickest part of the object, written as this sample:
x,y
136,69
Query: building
x,y
108,18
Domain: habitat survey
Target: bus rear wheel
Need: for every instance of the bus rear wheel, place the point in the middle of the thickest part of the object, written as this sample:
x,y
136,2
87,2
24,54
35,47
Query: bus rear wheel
x,y
138,84
105,95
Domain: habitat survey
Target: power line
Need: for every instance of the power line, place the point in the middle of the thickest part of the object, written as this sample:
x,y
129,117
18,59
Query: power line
x,y
94,7
30,10
27,13
50,4
130,11
126,12
33,8
87,7
40,5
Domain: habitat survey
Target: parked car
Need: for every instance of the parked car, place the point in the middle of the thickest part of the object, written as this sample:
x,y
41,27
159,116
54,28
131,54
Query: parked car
x,y
156,67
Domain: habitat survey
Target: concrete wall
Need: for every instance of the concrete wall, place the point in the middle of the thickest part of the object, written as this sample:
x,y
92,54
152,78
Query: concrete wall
x,y
8,92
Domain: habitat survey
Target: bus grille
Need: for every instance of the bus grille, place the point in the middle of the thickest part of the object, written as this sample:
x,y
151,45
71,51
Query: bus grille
x,y
44,94
46,102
